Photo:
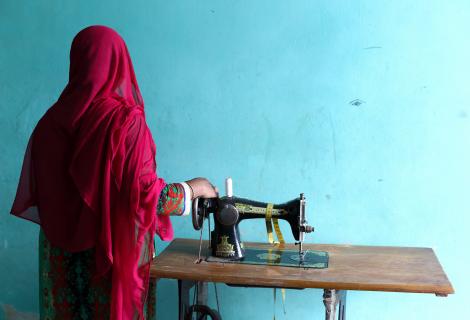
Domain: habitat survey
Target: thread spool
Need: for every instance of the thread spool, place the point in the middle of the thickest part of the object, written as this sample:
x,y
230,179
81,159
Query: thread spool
x,y
228,187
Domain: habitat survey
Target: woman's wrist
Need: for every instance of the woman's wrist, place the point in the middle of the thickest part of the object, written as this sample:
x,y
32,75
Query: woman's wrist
x,y
201,187
191,190
194,189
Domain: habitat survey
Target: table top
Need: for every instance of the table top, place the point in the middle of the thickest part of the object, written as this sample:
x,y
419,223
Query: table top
x,y
370,268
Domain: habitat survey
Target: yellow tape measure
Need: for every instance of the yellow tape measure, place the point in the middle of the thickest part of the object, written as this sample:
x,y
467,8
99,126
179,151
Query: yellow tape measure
x,y
280,243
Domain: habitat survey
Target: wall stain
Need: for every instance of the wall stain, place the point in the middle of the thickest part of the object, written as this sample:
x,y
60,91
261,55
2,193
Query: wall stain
x,y
267,151
306,121
372,48
356,102
333,134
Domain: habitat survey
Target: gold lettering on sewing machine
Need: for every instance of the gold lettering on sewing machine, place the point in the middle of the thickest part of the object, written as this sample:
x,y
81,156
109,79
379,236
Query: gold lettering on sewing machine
x,y
225,249
246,208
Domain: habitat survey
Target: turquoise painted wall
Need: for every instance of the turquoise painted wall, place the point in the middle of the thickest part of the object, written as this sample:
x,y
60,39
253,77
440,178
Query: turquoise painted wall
x,y
273,82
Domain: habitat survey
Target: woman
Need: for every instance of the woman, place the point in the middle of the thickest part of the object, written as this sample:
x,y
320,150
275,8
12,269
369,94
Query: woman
x,y
89,179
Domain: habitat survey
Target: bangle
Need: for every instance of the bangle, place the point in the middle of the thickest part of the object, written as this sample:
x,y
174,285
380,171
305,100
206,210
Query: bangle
x,y
192,191
187,199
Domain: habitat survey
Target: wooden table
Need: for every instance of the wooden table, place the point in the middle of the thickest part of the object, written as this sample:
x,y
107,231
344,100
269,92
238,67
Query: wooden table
x,y
369,268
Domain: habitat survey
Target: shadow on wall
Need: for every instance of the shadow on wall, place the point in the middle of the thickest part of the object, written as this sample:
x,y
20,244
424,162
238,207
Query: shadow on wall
x,y
10,313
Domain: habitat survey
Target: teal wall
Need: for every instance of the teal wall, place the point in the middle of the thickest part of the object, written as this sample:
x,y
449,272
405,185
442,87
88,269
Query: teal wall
x,y
261,91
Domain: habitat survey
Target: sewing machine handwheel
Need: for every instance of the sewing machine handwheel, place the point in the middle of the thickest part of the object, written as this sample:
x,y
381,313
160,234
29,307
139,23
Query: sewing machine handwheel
x,y
198,214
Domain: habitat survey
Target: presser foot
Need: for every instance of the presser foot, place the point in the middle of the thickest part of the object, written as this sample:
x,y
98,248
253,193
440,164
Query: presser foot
x,y
301,257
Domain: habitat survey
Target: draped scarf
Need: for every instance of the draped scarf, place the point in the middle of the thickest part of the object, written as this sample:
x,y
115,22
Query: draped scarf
x,y
89,173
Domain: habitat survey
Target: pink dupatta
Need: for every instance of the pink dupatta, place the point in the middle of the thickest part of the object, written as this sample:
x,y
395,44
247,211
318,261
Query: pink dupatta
x,y
89,173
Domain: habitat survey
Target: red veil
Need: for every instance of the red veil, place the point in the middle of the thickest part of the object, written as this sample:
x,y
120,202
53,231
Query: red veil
x,y
89,173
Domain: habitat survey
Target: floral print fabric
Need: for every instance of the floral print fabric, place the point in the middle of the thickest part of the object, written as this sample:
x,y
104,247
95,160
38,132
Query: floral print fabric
x,y
67,287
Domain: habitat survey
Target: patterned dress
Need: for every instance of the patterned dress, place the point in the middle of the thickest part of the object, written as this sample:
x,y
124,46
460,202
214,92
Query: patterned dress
x,y
67,287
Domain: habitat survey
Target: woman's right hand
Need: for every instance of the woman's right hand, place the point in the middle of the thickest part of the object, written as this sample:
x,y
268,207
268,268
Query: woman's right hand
x,y
202,188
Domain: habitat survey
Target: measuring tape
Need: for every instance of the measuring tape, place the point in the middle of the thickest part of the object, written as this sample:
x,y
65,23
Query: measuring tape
x,y
280,244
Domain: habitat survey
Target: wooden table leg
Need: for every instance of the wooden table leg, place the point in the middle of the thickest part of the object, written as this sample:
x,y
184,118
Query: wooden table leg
x,y
331,298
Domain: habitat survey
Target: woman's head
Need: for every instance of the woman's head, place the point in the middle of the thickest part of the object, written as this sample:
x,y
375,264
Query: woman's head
x,y
99,57
100,68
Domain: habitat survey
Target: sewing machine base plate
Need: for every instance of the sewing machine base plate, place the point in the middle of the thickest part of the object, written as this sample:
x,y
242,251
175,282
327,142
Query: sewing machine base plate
x,y
279,257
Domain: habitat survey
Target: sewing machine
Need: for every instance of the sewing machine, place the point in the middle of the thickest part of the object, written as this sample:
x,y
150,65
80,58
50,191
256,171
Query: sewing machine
x,y
229,211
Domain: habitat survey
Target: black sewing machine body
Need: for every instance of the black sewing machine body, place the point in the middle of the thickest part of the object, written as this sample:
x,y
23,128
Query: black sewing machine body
x,y
228,212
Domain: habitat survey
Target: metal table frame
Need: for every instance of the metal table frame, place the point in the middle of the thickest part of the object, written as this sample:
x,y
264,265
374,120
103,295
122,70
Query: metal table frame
x,y
332,299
